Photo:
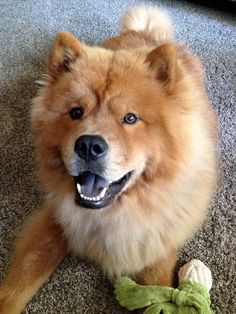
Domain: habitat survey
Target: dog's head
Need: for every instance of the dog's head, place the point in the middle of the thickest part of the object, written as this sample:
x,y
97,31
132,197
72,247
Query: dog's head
x,y
100,120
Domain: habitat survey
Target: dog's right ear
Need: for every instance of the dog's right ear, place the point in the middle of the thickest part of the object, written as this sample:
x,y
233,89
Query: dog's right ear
x,y
65,51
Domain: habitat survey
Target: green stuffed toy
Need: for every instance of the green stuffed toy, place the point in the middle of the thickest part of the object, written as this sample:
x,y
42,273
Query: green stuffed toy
x,y
191,297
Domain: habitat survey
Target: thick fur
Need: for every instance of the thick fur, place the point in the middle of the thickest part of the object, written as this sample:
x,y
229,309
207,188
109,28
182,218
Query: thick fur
x,y
171,149
150,20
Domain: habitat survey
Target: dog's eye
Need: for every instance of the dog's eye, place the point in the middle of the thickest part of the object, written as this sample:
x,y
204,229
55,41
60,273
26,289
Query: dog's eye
x,y
130,118
76,113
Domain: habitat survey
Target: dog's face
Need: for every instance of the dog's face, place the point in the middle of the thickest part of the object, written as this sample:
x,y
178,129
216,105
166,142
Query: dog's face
x,y
100,119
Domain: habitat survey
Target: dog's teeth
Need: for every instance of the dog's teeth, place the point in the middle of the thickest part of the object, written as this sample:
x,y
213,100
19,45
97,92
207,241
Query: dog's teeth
x,y
78,187
102,194
94,199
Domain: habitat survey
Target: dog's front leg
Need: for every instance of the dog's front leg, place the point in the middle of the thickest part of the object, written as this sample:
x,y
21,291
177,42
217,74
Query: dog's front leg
x,y
160,273
39,249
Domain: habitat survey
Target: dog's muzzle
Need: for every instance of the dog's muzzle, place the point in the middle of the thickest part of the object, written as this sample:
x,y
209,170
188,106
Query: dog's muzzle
x,y
92,190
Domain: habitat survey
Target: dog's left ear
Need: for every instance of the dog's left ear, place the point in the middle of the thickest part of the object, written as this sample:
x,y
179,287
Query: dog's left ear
x,y
66,50
163,60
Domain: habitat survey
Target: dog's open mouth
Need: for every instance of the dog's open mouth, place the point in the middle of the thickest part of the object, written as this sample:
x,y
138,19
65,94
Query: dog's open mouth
x,y
95,192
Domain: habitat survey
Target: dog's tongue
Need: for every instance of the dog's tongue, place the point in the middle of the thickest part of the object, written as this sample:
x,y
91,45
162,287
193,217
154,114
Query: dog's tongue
x,y
91,183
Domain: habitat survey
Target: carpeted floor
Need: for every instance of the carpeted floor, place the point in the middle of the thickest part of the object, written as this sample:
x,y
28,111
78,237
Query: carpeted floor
x,y
27,30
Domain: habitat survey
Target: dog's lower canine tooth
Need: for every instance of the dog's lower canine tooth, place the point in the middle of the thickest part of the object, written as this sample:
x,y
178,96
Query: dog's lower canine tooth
x,y
78,187
102,194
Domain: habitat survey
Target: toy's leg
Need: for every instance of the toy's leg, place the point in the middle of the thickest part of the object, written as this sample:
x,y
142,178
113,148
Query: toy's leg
x,y
39,249
161,273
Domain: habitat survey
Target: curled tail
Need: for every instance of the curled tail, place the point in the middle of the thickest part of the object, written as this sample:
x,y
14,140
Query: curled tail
x,y
148,19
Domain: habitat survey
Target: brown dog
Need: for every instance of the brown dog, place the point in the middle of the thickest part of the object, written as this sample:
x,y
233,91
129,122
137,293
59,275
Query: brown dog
x,y
126,142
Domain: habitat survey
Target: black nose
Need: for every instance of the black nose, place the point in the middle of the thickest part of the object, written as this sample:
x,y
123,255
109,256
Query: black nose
x,y
90,147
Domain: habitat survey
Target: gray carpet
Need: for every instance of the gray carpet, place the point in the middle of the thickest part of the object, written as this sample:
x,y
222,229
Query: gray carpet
x,y
27,30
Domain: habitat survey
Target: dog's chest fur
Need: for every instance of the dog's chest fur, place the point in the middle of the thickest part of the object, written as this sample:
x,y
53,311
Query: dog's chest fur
x,y
119,240
124,239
